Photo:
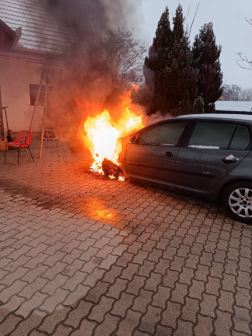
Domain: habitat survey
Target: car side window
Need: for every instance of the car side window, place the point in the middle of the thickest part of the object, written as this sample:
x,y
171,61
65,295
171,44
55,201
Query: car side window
x,y
164,134
241,138
212,135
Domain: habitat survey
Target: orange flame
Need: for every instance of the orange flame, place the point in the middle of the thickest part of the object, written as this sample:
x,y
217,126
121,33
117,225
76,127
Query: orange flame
x,y
103,133
103,140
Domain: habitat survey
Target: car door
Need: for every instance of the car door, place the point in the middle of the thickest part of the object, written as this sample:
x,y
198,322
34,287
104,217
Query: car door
x,y
153,153
213,150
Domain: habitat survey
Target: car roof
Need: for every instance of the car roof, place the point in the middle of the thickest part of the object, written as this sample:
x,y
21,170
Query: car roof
x,y
232,117
206,116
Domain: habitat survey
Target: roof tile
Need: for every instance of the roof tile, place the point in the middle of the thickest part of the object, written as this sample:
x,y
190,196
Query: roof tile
x,y
39,30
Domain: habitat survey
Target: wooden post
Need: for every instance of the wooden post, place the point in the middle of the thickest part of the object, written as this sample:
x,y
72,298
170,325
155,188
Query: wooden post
x,y
45,107
1,119
39,90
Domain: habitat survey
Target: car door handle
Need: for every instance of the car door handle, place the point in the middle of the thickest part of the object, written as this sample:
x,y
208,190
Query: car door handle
x,y
230,159
169,154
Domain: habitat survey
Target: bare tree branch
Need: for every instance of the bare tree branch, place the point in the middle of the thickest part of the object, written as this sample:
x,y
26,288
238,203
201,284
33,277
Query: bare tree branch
x,y
233,92
249,62
244,60
187,13
243,67
194,19
124,56
249,21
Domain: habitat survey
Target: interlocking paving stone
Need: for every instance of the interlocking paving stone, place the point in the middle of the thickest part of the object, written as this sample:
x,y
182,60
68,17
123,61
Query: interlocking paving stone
x,y
170,314
86,328
9,324
142,300
52,320
82,255
108,326
30,323
184,329
62,330
127,325
28,306
13,304
8,292
190,310
226,301
204,326
121,306
223,324
161,296
98,312
150,319
241,320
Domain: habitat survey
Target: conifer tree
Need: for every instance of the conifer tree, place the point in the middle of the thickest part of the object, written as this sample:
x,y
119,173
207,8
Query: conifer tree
x,y
181,77
158,60
170,58
206,55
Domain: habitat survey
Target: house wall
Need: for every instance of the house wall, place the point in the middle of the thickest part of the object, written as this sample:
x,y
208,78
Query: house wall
x,y
16,73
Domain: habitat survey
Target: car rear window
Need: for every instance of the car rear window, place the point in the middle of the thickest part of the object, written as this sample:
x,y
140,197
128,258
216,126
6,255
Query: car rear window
x,y
164,134
212,135
241,138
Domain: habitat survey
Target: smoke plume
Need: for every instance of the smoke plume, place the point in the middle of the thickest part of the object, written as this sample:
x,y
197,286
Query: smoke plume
x,y
86,78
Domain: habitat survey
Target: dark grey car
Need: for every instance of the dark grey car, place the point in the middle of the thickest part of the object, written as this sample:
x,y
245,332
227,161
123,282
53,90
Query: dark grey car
x,y
207,154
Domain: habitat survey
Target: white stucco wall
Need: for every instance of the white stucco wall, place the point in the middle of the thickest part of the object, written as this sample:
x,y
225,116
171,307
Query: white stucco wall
x,y
16,73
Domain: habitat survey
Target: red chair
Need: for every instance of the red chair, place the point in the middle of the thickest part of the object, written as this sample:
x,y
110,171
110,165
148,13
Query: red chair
x,y
23,141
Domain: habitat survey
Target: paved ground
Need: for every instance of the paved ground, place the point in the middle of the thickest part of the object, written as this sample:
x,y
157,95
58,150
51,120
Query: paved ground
x,y
86,256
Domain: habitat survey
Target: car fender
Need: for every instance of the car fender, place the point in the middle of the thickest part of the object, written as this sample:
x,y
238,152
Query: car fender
x,y
122,155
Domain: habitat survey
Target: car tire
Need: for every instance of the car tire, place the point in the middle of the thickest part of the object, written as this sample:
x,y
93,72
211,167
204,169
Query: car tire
x,y
237,199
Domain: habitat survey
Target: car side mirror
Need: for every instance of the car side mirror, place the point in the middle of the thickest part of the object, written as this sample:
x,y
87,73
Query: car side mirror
x,y
132,140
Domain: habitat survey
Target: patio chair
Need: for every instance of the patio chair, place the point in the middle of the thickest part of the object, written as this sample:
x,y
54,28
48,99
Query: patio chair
x,y
23,140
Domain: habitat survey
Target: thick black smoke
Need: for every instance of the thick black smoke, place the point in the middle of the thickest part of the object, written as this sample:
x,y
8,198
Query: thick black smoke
x,y
91,18
87,22
86,77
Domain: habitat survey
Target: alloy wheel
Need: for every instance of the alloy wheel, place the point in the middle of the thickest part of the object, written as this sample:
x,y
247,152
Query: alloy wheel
x,y
240,202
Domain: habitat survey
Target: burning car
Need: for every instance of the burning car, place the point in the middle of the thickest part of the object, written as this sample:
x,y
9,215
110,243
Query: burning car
x,y
208,155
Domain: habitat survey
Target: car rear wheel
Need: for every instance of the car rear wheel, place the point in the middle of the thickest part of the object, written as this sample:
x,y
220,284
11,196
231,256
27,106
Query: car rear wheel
x,y
237,199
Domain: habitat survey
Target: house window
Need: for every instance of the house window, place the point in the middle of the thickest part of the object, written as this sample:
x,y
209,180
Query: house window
x,y
34,88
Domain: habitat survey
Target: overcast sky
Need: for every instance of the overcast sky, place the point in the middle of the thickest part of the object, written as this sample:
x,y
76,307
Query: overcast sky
x,y
231,29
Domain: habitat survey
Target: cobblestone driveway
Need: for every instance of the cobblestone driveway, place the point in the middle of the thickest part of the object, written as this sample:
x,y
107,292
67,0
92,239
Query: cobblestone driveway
x,y
85,256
